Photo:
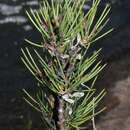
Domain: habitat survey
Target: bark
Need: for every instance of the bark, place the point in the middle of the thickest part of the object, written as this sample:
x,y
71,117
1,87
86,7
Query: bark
x,y
59,113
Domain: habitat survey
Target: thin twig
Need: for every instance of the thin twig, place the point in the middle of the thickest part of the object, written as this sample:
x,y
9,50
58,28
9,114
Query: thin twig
x,y
93,119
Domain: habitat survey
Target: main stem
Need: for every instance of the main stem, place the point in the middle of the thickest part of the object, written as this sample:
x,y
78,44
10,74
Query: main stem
x,y
59,119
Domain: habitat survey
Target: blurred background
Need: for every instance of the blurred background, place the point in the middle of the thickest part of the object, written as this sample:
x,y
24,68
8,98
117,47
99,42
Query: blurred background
x,y
15,114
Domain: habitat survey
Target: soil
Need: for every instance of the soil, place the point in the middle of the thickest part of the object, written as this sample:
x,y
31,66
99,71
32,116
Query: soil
x,y
116,79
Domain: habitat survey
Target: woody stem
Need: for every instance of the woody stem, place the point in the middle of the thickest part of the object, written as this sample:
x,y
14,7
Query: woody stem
x,y
60,122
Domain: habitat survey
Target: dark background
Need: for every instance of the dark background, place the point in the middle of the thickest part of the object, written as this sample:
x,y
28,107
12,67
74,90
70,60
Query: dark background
x,y
14,28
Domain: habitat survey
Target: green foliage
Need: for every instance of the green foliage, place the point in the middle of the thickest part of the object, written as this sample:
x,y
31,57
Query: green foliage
x,y
60,63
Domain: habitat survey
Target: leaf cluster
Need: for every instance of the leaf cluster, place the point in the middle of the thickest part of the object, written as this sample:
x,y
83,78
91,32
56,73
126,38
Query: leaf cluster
x,y
62,68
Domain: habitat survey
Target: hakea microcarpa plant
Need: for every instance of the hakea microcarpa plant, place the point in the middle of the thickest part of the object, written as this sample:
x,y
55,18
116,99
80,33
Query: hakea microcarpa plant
x,y
60,62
